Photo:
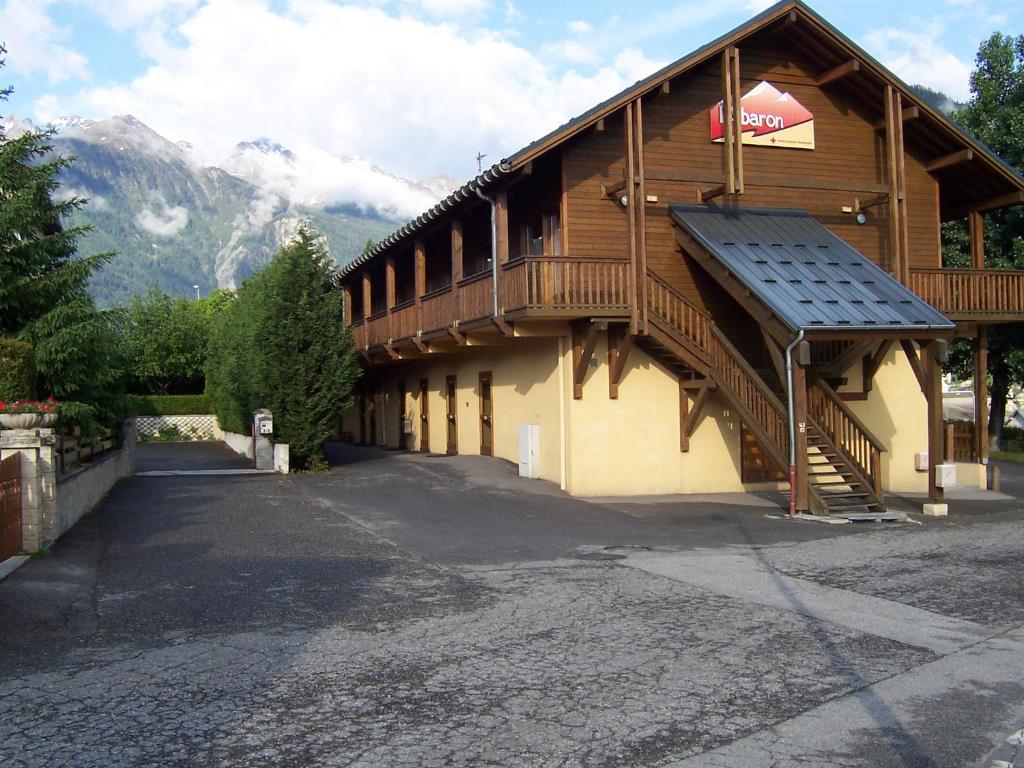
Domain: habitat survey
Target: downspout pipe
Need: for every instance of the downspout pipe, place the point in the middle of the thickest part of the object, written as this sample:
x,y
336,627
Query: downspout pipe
x,y
792,421
494,249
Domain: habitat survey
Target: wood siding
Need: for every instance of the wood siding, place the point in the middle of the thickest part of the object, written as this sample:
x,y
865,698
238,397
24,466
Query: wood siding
x,y
848,162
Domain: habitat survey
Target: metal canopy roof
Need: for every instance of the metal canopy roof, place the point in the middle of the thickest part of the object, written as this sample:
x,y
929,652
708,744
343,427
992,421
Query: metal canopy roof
x,y
807,276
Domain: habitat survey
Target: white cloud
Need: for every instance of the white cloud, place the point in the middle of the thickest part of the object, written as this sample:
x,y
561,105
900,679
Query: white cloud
x,y
166,221
129,14
35,44
415,96
580,27
93,202
452,8
756,6
572,51
916,58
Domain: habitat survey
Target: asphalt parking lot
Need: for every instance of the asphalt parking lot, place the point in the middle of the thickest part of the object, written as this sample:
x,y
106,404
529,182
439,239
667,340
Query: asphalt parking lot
x,y
414,610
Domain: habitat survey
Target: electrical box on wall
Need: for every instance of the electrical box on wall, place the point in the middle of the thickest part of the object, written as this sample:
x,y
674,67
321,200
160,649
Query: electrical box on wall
x,y
921,461
945,475
529,450
406,426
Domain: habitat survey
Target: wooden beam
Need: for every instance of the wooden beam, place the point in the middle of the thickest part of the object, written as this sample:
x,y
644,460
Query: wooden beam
x,y
837,73
503,327
460,338
738,118
775,353
704,195
953,158
599,126
346,304
872,363
634,274
457,269
501,220
976,227
910,113
583,346
367,296
915,363
933,393
862,205
393,353
991,204
981,394
641,220
419,278
688,416
666,87
727,124
611,189
421,346
619,347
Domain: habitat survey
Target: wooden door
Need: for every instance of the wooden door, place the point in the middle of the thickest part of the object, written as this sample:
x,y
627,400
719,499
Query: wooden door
x,y
486,416
401,416
10,506
424,416
452,406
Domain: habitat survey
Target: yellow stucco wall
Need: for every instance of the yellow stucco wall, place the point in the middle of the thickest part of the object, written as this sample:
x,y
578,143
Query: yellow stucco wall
x,y
897,413
631,445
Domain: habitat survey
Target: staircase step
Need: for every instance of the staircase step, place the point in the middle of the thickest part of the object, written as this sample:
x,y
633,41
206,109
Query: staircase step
x,y
843,495
853,505
833,482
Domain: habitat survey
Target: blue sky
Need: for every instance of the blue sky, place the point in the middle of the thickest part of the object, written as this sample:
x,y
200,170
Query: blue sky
x,y
414,86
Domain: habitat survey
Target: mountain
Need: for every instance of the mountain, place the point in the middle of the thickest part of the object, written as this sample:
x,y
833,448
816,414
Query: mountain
x,y
936,99
174,223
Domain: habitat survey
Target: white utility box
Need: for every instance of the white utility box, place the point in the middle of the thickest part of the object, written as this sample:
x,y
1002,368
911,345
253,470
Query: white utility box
x,y
945,475
529,450
921,461
406,426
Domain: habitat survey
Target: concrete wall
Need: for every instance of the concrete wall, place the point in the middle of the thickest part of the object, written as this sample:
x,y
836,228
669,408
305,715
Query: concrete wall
x,y
79,492
240,444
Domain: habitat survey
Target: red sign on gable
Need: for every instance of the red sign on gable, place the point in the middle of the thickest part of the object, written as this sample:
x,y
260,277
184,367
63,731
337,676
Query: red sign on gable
x,y
770,118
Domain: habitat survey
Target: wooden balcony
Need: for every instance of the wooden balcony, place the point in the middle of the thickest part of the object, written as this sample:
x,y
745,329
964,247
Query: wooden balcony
x,y
992,295
544,287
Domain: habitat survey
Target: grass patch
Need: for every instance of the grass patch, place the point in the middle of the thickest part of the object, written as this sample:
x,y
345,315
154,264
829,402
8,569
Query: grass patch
x,y
1017,456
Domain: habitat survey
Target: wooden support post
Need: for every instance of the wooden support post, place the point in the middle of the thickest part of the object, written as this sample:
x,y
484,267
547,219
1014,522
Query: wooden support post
x,y
737,113
501,231
346,304
634,273
419,278
954,158
459,336
728,123
367,296
837,73
933,393
641,219
800,416
583,346
456,263
976,227
389,291
894,191
619,347
981,394
948,443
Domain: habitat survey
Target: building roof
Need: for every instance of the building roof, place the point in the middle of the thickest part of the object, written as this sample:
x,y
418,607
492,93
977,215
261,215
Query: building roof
x,y
806,275
780,13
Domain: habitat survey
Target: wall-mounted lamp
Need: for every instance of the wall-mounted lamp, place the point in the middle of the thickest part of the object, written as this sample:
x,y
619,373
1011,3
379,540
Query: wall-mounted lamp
x,y
624,200
861,217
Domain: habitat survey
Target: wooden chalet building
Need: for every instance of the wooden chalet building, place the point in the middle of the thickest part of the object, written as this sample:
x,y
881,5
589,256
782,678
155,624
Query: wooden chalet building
x,y
634,282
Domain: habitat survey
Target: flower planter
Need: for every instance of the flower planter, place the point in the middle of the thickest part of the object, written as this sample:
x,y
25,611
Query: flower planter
x,y
21,420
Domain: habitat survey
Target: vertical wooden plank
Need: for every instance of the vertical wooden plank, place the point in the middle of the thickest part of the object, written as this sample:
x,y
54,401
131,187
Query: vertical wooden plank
x,y
684,412
501,228
563,207
346,301
389,292
981,394
901,167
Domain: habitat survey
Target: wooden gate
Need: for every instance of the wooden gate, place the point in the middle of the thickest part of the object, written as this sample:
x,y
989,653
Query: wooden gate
x,y
10,506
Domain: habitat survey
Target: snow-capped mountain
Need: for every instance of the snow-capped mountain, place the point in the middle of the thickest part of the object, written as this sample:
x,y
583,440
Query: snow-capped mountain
x,y
175,223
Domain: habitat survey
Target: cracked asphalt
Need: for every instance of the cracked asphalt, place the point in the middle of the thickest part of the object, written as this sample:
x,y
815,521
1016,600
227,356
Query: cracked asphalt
x,y
407,610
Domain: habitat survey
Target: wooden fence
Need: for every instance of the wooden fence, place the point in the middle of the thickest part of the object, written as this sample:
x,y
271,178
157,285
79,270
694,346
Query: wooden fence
x,y
74,450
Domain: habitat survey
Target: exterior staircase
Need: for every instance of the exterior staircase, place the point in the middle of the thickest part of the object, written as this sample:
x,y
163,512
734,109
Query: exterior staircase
x,y
843,457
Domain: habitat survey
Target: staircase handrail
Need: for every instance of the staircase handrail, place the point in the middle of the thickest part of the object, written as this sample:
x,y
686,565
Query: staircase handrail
x,y
852,437
697,336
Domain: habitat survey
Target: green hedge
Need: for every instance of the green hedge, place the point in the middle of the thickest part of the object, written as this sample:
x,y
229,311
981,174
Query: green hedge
x,y
169,405
17,370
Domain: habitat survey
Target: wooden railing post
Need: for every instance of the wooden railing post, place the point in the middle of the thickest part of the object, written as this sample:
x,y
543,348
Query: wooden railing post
x,y
367,296
456,263
981,395
420,279
389,292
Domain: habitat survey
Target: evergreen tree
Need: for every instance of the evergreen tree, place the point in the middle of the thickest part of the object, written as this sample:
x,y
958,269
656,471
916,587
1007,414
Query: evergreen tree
x,y
43,280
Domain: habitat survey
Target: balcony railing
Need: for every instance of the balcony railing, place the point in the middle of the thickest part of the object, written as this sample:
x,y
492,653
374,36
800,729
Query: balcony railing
x,y
565,284
971,293
537,284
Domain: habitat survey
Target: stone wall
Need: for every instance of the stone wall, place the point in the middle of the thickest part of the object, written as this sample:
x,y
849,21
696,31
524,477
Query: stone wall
x,y
80,491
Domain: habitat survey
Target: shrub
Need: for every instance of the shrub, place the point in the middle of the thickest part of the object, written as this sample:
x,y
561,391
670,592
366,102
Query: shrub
x,y
17,370
169,405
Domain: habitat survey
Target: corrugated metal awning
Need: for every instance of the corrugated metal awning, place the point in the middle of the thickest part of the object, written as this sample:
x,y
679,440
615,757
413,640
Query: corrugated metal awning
x,y
806,275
